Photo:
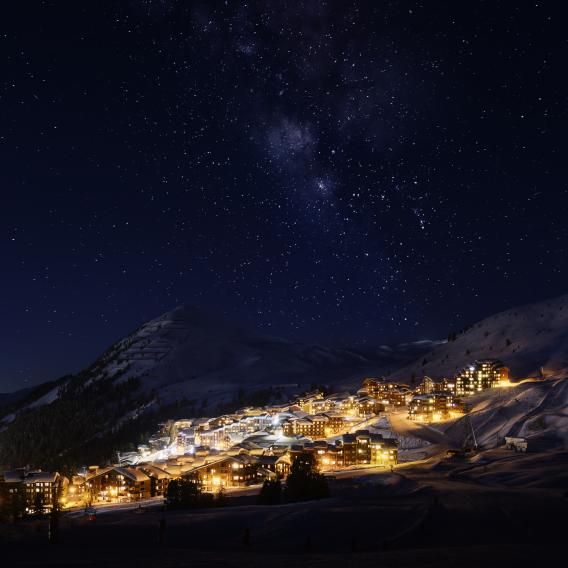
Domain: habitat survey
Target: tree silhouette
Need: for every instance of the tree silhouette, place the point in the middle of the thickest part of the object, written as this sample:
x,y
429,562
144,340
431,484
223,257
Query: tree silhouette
x,y
270,493
304,482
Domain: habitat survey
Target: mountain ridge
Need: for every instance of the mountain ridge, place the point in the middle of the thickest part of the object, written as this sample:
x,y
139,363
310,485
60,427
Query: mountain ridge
x,y
182,363
186,362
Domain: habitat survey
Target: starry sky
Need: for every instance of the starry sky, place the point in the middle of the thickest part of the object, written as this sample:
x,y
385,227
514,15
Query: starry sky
x,y
354,173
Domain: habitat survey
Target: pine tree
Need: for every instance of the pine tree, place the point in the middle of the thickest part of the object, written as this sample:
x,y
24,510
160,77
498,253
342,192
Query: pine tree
x,y
221,498
304,481
270,493
184,493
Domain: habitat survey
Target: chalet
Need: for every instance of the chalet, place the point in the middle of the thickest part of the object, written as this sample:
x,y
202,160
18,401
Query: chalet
x,y
368,406
274,465
362,447
32,491
159,479
432,407
389,394
346,404
256,423
228,471
116,484
335,423
327,456
76,487
359,448
372,387
319,406
218,422
305,402
310,426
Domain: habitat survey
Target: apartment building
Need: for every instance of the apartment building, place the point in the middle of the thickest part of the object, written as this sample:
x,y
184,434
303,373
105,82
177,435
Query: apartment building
x,y
483,374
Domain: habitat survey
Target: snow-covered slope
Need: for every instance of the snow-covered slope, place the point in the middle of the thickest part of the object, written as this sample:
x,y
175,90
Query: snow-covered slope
x,y
186,352
183,363
525,338
190,363
535,409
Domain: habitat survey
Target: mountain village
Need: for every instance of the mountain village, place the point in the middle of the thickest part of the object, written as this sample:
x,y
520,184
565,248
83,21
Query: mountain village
x,y
340,431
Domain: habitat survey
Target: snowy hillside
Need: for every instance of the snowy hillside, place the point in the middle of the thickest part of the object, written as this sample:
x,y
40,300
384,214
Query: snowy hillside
x,y
187,363
536,410
524,338
186,352
189,354
183,363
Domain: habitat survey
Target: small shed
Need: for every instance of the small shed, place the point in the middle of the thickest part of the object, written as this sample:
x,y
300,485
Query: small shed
x,y
517,444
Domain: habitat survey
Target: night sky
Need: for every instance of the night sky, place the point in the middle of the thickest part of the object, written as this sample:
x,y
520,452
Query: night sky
x,y
336,172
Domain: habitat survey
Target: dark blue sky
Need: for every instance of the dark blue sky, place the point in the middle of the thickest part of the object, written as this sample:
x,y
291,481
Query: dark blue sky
x,y
339,172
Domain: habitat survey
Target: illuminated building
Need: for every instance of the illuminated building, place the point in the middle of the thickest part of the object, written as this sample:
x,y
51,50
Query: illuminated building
x,y
448,385
362,447
335,424
483,374
372,387
76,487
229,471
323,405
159,479
185,441
311,426
389,394
216,438
368,406
34,489
347,405
305,401
255,423
328,457
432,407
427,386
277,465
116,484
218,422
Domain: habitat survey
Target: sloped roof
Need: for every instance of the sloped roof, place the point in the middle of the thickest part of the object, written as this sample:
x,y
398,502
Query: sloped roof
x,y
95,473
20,475
131,473
241,458
173,469
13,476
41,477
156,472
333,414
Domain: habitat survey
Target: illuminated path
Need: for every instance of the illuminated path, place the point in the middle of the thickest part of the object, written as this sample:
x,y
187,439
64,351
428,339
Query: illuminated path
x,y
402,425
115,507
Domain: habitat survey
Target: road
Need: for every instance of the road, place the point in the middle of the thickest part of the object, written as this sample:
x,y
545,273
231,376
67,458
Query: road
x,y
101,508
402,425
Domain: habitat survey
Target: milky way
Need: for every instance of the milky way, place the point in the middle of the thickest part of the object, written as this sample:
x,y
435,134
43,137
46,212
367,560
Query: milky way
x,y
343,172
